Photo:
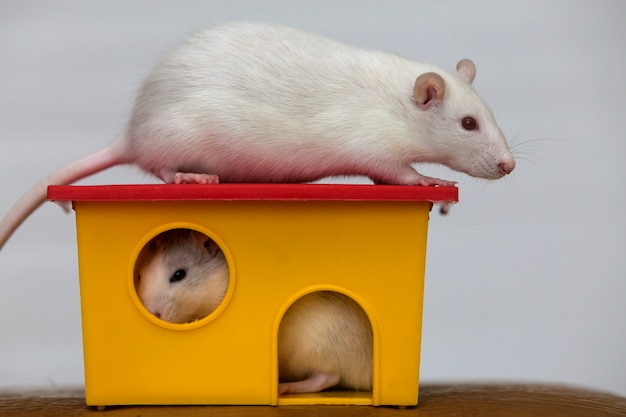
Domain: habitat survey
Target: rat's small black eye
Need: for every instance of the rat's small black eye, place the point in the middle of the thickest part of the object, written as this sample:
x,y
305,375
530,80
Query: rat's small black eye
x,y
469,123
178,275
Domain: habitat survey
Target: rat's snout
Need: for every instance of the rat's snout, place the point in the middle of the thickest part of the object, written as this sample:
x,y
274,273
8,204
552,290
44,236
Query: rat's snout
x,y
506,165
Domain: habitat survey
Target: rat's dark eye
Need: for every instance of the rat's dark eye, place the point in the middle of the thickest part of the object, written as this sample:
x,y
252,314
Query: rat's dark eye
x,y
178,275
469,123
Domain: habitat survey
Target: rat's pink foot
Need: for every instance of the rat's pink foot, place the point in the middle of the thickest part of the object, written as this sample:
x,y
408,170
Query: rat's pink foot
x,y
406,175
419,180
412,177
427,181
188,178
315,383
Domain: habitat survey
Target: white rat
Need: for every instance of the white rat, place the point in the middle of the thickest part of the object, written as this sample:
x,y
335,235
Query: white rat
x,y
252,102
324,339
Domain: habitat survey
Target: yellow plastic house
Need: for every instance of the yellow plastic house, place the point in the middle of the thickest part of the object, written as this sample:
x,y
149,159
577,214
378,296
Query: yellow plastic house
x,y
281,241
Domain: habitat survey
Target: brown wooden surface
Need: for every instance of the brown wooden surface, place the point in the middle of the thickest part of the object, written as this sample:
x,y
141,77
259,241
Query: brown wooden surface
x,y
458,400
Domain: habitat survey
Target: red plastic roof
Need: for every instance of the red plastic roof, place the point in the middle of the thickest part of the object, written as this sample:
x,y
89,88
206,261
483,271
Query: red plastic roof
x,y
282,192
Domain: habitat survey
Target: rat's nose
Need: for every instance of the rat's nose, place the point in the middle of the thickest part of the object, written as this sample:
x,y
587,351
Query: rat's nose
x,y
507,165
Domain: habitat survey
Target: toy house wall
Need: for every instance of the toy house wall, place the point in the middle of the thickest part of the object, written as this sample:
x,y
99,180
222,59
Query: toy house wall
x,y
277,252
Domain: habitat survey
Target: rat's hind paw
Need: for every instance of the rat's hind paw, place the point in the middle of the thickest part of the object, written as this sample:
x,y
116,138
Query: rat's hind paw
x,y
188,178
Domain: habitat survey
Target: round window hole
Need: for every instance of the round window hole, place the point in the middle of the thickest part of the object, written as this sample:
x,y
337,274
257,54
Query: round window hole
x,y
181,276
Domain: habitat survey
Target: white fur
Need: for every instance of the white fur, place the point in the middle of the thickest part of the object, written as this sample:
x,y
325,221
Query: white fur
x,y
253,102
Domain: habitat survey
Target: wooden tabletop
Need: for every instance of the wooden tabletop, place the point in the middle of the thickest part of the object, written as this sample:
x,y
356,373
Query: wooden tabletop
x,y
458,400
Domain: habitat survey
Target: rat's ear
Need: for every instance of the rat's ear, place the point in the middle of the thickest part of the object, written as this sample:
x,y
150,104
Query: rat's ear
x,y
428,90
211,247
466,69
203,240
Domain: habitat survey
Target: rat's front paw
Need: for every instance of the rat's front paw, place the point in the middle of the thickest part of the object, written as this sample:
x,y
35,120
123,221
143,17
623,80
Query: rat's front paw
x,y
408,176
428,181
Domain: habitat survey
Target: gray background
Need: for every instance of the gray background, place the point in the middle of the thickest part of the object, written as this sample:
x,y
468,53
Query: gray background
x,y
525,278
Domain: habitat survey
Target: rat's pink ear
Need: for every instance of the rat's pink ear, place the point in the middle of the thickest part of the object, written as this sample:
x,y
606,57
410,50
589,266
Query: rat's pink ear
x,y
211,247
466,69
203,240
428,90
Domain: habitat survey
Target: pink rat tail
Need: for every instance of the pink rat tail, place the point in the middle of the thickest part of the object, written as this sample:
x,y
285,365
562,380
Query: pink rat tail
x,y
84,167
